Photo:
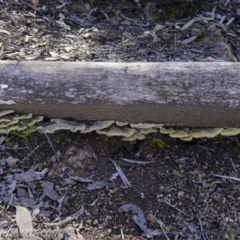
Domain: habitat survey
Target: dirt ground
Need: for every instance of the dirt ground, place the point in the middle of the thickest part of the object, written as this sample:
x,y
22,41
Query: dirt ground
x,y
87,186
177,191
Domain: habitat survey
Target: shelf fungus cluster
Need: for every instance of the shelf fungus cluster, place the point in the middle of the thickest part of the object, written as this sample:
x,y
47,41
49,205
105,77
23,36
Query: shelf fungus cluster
x,y
10,121
132,131
190,134
110,128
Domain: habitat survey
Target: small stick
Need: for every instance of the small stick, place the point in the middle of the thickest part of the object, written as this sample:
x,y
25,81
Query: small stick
x,y
204,235
175,207
35,3
51,144
233,165
163,230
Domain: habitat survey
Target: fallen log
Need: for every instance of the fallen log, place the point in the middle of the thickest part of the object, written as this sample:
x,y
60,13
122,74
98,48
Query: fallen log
x,y
180,94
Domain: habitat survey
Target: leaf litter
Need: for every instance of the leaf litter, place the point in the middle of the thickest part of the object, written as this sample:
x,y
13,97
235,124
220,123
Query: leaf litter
x,y
49,202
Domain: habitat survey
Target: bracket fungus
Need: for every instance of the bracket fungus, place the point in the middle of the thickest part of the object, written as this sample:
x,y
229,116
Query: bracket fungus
x,y
11,121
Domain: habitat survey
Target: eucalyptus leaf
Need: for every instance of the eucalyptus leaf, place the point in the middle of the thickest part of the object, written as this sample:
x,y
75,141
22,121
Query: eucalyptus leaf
x,y
222,19
230,21
188,24
24,220
213,13
158,27
188,40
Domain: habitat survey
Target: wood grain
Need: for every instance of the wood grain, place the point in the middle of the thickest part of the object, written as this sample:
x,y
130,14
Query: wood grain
x,y
180,94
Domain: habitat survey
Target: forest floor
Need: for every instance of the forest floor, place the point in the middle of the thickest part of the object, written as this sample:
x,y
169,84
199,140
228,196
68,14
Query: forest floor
x,y
83,186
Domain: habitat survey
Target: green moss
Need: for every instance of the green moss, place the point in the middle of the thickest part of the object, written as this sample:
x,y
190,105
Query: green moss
x,y
176,173
200,37
23,133
157,142
117,13
229,235
171,12
234,192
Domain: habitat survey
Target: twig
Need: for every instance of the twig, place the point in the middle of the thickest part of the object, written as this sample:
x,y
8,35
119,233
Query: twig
x,y
51,144
227,177
237,141
175,46
204,235
161,224
175,207
35,3
105,15
126,18
219,234
68,219
123,177
23,160
233,165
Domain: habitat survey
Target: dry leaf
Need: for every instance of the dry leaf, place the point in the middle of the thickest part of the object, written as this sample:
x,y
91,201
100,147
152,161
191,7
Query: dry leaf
x,y
158,27
24,221
187,25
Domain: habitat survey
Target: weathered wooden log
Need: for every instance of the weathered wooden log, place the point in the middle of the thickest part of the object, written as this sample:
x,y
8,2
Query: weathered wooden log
x,y
180,94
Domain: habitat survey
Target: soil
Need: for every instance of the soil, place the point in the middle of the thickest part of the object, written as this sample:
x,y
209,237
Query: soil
x,y
177,188
169,189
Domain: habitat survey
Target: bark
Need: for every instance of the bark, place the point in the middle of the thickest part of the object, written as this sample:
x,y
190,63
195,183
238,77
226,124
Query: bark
x,y
180,94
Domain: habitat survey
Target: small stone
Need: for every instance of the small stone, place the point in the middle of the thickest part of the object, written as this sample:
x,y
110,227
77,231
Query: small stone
x,y
109,231
11,161
95,222
224,201
100,236
149,156
180,194
40,167
151,218
193,199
